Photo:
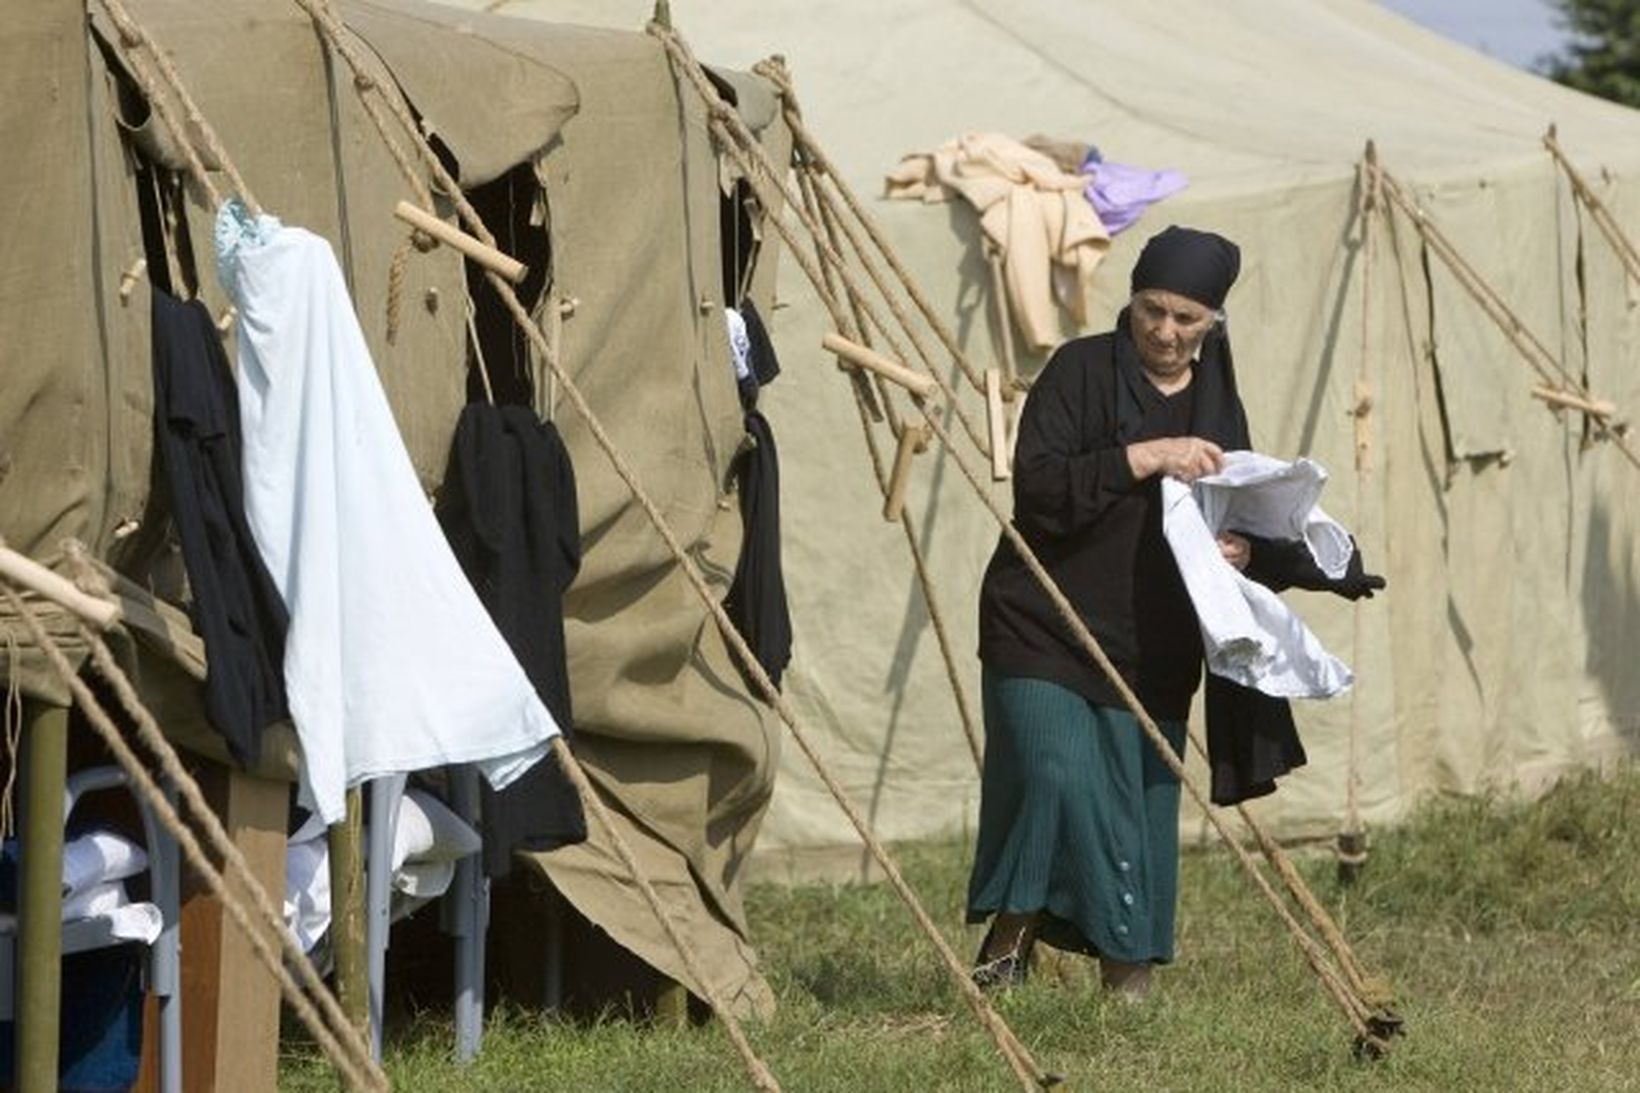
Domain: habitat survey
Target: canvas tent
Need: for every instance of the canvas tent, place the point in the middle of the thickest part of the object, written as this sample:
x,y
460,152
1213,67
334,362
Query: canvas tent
x,y
1497,657
605,179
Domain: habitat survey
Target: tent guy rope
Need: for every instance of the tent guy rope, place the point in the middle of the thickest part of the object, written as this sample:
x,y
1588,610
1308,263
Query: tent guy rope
x,y
1559,383
909,441
1602,216
1019,1059
1350,844
348,1053
762,1078
774,70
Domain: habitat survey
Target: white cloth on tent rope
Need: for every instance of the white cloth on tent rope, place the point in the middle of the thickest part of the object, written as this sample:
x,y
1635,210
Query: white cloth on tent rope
x,y
391,663
1249,635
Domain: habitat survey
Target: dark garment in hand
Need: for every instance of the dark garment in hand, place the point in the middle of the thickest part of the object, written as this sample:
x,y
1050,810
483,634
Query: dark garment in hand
x,y
508,508
236,607
756,602
1076,503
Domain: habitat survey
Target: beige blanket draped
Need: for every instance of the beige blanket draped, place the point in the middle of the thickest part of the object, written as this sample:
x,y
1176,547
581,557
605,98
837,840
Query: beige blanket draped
x,y
1031,209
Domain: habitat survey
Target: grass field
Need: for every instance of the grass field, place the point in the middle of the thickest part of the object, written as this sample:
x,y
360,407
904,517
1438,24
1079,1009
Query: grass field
x,y
1511,933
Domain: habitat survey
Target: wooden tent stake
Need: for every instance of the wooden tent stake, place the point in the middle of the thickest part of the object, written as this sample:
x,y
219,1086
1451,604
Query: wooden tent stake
x,y
996,416
921,386
30,574
1016,415
482,253
913,439
1592,406
1005,321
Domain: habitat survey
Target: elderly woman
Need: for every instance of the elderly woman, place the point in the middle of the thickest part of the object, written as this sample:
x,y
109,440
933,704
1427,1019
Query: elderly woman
x,y
1078,830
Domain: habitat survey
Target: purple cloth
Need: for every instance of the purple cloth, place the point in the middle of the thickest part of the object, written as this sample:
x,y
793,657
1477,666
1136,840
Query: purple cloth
x,y
1119,193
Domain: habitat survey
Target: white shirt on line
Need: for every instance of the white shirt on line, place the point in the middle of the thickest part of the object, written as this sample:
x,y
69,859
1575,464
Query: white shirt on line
x,y
391,662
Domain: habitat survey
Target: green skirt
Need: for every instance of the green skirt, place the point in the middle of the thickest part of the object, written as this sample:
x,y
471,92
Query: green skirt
x,y
1078,819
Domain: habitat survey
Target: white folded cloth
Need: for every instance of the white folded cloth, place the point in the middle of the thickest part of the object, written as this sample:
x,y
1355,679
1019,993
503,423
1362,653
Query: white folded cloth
x,y
97,857
1260,495
1249,635
99,899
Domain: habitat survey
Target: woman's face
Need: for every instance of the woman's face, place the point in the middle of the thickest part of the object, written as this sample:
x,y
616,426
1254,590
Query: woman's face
x,y
1168,329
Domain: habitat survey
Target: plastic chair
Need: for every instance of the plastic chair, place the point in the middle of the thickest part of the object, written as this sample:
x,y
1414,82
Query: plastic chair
x,y
164,955
466,907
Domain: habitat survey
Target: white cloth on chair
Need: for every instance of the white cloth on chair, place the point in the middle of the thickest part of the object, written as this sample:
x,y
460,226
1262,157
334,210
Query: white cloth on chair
x,y
428,839
98,857
391,664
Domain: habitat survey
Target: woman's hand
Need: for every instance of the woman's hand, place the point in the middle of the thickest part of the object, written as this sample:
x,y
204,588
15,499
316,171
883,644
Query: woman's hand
x,y
1183,457
1236,550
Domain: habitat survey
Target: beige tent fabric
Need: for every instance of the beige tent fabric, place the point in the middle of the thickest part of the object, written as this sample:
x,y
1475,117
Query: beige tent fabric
x,y
491,124
1031,209
1496,656
666,727
632,206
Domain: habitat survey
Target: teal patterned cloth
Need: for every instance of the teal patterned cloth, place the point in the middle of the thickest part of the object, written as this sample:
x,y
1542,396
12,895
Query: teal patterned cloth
x,y
1079,818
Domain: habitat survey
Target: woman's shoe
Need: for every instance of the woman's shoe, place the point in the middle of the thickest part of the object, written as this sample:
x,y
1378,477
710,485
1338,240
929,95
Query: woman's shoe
x,y
1003,973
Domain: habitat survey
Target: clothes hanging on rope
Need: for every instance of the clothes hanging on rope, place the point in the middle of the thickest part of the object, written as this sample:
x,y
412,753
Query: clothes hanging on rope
x,y
235,606
391,663
508,508
756,602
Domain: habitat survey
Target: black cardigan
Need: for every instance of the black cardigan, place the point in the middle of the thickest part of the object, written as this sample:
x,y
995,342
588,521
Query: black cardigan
x,y
1072,485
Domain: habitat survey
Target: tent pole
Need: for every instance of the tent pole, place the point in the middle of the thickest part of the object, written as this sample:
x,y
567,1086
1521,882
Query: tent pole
x,y
40,908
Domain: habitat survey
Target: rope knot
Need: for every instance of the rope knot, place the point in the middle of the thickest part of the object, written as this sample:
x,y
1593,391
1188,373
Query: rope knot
x,y
83,571
423,242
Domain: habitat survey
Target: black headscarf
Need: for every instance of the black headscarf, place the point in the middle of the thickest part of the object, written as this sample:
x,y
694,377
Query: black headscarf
x,y
1192,263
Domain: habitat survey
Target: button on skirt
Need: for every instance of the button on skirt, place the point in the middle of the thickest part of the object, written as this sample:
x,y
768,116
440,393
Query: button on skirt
x,y
1079,820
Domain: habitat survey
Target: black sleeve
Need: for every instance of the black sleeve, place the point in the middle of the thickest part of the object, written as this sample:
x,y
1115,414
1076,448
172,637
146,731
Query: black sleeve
x,y
1282,564
1068,465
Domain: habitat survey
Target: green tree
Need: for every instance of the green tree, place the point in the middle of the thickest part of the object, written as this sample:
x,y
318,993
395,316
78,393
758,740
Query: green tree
x,y
1604,56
